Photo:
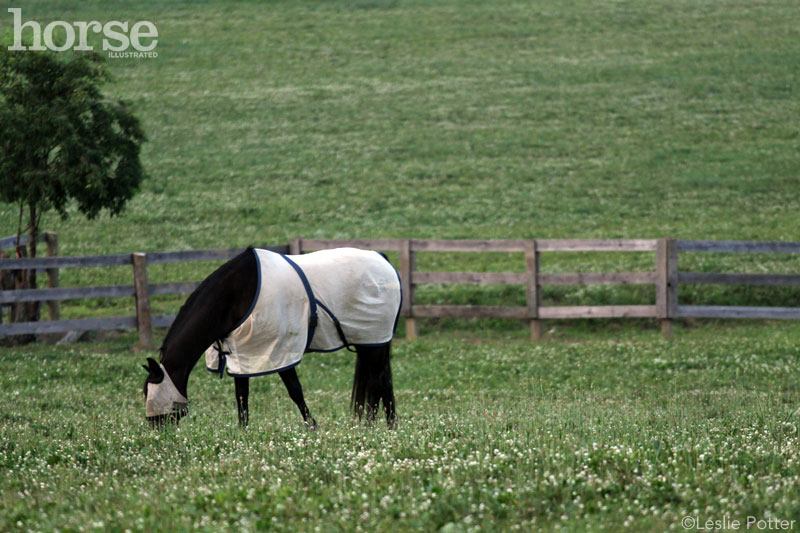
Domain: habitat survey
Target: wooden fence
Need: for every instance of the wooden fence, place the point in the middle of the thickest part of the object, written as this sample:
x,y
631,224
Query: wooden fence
x,y
665,276
50,239
140,290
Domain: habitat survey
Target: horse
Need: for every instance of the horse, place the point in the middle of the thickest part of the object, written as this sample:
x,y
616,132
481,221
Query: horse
x,y
261,311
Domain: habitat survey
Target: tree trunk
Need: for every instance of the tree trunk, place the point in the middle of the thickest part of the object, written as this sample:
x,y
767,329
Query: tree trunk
x,y
6,282
21,280
32,313
20,310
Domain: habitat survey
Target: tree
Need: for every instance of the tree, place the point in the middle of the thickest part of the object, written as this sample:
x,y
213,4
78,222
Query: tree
x,y
61,141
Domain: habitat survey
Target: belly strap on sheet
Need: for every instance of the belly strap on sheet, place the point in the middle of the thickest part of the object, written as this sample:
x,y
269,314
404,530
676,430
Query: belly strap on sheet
x,y
313,303
314,318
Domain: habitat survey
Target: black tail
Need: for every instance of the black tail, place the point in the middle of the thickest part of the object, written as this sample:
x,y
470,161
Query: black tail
x,y
372,383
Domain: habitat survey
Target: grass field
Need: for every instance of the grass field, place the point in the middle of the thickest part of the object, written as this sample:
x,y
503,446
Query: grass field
x,y
454,119
451,119
620,432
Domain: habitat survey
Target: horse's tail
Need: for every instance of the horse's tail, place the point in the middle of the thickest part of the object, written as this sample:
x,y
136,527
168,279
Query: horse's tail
x,y
372,383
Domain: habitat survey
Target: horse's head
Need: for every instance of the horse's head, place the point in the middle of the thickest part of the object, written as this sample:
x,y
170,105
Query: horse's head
x,y
163,402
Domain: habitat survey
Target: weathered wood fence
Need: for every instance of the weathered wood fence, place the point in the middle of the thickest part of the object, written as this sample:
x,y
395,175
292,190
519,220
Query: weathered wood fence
x,y
140,290
665,276
50,239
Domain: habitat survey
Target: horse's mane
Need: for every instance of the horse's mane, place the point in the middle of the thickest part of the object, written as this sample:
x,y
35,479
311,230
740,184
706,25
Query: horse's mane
x,y
208,288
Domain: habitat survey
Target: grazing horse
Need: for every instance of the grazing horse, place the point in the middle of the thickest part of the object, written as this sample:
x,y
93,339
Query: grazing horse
x,y
260,312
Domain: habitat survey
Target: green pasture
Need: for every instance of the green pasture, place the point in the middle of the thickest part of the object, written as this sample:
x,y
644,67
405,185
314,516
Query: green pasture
x,y
623,431
451,119
456,119
270,120
584,119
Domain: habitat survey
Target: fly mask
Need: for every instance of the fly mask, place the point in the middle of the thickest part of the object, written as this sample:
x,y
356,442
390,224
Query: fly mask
x,y
163,398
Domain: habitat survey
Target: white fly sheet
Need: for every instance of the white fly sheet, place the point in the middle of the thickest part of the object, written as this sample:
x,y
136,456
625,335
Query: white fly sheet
x,y
359,288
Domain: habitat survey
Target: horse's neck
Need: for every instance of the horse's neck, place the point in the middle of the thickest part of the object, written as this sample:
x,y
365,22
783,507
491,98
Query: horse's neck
x,y
183,351
209,315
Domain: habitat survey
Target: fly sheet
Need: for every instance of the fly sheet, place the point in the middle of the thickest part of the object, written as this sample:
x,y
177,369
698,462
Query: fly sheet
x,y
317,302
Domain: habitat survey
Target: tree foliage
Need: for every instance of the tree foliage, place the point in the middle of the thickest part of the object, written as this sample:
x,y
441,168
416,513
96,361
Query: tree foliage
x,y
61,140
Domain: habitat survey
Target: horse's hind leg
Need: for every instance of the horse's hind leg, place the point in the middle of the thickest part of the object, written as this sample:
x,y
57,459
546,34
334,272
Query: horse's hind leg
x,y
295,391
242,393
372,383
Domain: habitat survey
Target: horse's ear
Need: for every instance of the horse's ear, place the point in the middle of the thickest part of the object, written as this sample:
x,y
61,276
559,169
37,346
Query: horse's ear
x,y
156,373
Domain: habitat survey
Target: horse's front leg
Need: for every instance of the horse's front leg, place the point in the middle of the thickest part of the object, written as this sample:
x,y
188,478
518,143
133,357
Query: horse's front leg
x,y
295,391
242,392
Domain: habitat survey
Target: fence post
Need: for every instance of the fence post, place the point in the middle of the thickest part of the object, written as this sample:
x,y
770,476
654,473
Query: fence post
x,y
532,288
143,322
53,306
666,284
407,286
296,246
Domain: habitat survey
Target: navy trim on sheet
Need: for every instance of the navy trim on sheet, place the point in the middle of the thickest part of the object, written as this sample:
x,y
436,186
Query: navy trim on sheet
x,y
257,374
312,301
264,373
325,351
337,324
374,345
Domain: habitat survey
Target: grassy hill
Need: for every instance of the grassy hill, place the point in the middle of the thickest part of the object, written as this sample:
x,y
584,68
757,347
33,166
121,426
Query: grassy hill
x,y
456,120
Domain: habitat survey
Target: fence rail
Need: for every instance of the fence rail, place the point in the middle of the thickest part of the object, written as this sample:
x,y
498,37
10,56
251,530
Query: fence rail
x,y
665,276
140,291
739,246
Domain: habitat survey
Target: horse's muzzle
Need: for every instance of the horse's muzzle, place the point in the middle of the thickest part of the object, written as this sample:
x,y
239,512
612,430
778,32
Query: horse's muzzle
x,y
161,421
